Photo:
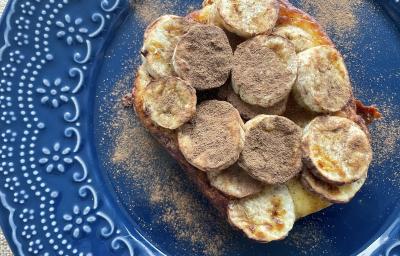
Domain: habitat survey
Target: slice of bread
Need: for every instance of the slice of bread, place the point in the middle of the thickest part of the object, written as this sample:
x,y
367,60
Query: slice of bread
x,y
288,15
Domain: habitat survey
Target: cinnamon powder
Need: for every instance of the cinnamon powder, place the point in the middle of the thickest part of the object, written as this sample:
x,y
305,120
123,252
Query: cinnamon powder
x,y
149,10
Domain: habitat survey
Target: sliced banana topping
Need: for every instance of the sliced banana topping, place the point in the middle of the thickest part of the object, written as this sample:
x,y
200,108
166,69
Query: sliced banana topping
x,y
336,149
247,18
266,216
272,150
235,182
333,193
170,102
203,57
305,202
297,36
160,40
214,138
264,70
323,84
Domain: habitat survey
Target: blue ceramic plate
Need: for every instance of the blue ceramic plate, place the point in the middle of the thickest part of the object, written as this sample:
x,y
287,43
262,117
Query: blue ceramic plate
x,y
79,176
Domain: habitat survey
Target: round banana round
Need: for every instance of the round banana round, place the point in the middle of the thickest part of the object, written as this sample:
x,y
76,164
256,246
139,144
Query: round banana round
x,y
305,202
336,149
264,70
160,39
170,102
323,83
248,111
247,18
203,57
272,149
234,182
296,35
333,193
266,216
214,138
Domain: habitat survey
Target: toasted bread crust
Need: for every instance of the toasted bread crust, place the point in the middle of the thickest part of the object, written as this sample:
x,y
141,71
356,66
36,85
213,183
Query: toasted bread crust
x,y
288,15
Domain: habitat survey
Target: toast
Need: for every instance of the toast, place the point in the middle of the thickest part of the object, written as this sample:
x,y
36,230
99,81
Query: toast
x,y
310,202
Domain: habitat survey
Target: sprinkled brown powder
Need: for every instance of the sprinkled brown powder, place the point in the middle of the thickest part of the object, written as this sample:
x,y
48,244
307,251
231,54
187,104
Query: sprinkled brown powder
x,y
385,134
307,238
337,16
149,10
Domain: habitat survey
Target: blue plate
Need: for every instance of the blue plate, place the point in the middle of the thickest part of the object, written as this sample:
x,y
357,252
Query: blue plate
x,y
79,176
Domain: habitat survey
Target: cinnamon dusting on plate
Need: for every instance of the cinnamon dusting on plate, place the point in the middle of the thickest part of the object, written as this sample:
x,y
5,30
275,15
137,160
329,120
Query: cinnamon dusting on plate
x,y
386,134
149,10
337,16
307,238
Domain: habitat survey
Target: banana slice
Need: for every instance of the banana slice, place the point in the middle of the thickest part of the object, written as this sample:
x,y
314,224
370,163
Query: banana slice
x,y
323,83
203,57
305,202
160,40
214,138
266,216
235,182
272,150
264,70
333,193
248,111
247,18
297,36
170,102
336,149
